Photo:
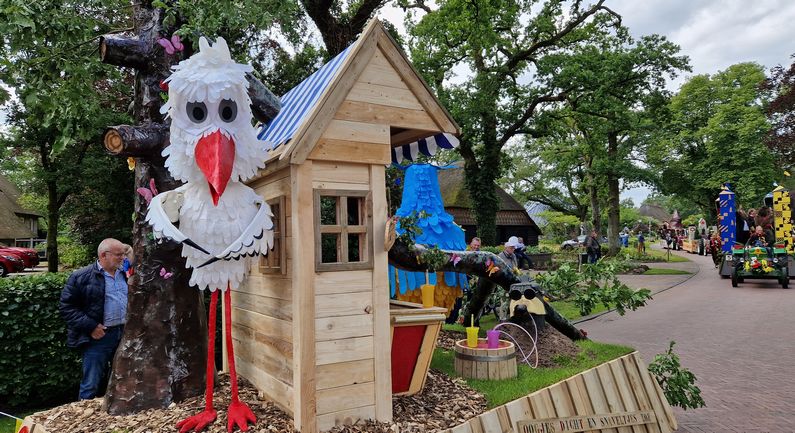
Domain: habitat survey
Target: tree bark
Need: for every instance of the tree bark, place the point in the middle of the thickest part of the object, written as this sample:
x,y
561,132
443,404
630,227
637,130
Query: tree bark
x,y
475,263
161,358
613,200
53,216
137,141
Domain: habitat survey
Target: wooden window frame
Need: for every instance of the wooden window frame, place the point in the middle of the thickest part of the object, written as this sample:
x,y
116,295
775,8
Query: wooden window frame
x,y
342,228
280,235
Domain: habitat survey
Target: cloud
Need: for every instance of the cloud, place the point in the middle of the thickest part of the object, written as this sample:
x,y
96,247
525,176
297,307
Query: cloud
x,y
716,34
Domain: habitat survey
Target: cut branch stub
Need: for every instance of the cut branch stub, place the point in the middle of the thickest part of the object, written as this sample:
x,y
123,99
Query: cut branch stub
x,y
125,51
136,141
264,104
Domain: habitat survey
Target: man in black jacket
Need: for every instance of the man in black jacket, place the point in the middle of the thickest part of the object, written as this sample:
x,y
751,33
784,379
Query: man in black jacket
x,y
94,306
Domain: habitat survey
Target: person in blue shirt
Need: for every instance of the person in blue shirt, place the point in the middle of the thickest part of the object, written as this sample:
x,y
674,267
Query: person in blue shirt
x,y
94,305
641,243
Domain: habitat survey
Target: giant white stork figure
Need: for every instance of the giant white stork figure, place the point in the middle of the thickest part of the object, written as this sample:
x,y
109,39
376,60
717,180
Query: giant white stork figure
x,y
221,221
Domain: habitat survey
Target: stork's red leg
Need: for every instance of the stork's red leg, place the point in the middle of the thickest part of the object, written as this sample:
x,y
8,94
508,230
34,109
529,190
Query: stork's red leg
x,y
202,419
239,414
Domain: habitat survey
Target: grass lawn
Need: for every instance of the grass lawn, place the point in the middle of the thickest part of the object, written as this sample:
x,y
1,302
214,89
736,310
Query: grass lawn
x,y
499,392
663,254
570,311
660,271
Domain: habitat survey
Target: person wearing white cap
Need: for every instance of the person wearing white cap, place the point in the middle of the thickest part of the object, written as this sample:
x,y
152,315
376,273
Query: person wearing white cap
x,y
507,255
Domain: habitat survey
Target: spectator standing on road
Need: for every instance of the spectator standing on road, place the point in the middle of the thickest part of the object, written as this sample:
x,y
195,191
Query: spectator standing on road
x,y
94,306
593,248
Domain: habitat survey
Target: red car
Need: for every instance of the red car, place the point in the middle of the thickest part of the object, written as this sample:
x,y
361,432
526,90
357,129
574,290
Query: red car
x,y
28,256
10,263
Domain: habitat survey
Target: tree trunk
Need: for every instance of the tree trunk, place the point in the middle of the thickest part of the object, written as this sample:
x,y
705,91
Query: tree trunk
x,y
613,202
53,215
162,356
477,263
596,211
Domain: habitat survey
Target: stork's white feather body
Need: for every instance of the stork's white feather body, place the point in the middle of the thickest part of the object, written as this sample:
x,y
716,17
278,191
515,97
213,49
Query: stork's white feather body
x,y
208,101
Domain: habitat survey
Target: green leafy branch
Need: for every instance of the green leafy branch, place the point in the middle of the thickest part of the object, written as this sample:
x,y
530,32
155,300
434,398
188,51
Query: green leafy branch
x,y
677,382
431,256
595,284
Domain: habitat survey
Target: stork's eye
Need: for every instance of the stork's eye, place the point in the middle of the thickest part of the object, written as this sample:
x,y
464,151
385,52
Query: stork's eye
x,y
197,111
529,294
515,295
227,110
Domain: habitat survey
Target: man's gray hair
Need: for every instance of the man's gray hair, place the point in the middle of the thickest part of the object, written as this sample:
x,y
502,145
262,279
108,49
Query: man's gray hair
x,y
106,245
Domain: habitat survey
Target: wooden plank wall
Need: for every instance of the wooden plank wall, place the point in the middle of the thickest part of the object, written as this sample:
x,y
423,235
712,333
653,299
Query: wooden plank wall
x,y
262,313
622,385
344,319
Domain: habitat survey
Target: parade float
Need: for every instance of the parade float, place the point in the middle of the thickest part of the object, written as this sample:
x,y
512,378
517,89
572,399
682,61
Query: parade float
x,y
771,261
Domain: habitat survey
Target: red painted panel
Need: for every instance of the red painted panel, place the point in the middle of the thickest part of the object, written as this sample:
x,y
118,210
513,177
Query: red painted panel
x,y
406,342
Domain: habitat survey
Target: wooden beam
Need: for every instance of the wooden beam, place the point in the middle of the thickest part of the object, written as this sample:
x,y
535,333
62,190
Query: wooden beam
x,y
381,312
303,297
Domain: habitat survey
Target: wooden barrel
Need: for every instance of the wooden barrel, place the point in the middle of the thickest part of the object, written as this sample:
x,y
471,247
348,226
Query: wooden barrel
x,y
484,363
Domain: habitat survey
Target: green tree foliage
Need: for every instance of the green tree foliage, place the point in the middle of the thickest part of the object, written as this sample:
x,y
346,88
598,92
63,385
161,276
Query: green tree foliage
x,y
64,95
559,226
595,284
37,366
618,90
781,112
715,135
500,43
678,383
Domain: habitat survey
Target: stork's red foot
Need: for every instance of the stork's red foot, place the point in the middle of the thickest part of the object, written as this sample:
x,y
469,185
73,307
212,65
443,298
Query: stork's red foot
x,y
197,422
239,415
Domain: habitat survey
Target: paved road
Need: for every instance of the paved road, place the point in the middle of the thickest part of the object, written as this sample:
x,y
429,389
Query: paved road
x,y
739,342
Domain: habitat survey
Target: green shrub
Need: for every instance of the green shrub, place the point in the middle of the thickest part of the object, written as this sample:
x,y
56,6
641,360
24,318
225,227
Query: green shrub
x,y
678,383
72,254
36,364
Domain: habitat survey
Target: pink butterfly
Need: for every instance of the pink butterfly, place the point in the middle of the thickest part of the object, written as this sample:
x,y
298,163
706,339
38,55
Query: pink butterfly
x,y
165,274
455,258
171,46
488,263
148,194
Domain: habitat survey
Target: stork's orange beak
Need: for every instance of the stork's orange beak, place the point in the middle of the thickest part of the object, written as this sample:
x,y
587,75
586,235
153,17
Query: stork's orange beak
x,y
215,155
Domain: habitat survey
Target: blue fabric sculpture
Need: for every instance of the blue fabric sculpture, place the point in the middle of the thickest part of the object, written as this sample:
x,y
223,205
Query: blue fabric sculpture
x,y
421,193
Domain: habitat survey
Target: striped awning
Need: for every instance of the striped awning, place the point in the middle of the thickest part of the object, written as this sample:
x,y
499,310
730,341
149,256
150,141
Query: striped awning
x,y
426,146
299,101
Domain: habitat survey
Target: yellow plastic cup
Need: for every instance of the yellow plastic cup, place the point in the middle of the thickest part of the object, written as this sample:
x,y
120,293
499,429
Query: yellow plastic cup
x,y
472,336
427,295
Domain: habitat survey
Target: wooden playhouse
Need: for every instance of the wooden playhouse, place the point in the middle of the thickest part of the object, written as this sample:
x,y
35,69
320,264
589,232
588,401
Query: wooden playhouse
x,y
312,322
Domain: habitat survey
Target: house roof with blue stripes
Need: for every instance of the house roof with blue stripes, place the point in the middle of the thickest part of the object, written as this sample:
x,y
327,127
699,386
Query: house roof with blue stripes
x,y
305,107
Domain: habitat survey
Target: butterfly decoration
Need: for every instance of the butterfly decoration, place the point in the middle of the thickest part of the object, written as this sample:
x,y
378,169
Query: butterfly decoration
x,y
171,46
165,274
455,258
493,269
131,163
147,194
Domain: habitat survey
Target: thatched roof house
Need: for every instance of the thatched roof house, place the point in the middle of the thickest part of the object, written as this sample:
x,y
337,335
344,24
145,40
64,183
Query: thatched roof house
x,y
512,218
654,211
15,222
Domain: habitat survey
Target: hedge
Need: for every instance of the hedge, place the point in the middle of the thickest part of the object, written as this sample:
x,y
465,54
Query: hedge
x,y
37,367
